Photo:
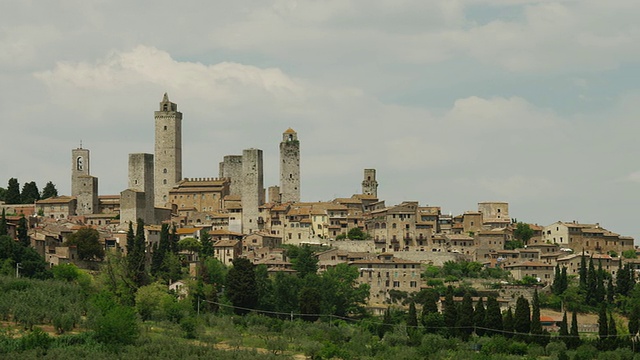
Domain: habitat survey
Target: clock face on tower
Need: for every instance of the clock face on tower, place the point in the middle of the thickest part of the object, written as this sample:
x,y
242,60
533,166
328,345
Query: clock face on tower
x,y
79,163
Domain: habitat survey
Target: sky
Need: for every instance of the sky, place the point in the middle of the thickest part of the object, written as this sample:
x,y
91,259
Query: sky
x,y
453,102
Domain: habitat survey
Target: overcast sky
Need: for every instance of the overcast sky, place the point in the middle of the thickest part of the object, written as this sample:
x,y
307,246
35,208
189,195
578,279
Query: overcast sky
x,y
454,102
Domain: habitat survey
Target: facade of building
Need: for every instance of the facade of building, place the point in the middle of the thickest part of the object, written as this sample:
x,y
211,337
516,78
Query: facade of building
x,y
369,184
252,190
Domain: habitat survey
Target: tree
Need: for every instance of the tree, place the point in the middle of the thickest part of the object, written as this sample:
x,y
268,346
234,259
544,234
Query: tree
x,y
22,230
356,234
190,244
583,272
629,254
30,193
49,191
508,323
574,336
310,303
623,285
493,319
13,192
387,324
603,326
305,262
136,254
207,244
612,340
4,229
634,320
113,324
479,316
465,317
564,329
523,232
87,241
449,311
342,294
241,286
3,193
536,325
160,251
610,290
522,316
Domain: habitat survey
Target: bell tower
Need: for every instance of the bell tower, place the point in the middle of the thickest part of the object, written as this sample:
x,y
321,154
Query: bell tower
x,y
168,150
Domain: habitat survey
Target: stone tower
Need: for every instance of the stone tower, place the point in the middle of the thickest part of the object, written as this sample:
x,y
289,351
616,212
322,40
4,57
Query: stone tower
x,y
168,151
83,186
252,190
138,200
231,167
290,167
369,184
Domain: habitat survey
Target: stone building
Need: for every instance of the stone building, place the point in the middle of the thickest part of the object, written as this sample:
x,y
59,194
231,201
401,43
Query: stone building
x,y
369,184
252,190
231,168
84,187
60,207
290,167
586,237
168,150
385,273
495,213
199,194
138,200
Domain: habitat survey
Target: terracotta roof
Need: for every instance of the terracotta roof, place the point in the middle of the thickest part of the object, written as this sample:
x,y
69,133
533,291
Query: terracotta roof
x,y
289,131
56,200
226,243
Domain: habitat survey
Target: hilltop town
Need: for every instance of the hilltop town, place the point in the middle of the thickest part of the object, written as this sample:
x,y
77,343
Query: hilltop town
x,y
245,220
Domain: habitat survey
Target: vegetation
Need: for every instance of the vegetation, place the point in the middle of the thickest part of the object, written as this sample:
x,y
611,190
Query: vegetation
x,y
87,241
29,194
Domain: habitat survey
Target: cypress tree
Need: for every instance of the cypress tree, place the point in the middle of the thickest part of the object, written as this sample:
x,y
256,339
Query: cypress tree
x,y
583,273
13,192
130,239
634,320
173,240
622,279
603,327
557,280
465,317
564,330
4,228
479,316
241,286
412,316
30,193
136,259
600,287
49,191
412,325
574,334
612,340
207,244
22,230
493,319
592,284
508,323
565,281
160,251
610,291
449,312
522,317
536,325
386,325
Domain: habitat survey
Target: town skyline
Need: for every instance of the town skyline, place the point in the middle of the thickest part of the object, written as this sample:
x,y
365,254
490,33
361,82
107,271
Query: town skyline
x,y
451,115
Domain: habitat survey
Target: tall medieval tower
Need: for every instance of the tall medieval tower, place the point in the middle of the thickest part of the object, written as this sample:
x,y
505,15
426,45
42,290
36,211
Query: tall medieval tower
x,y
252,194
168,151
369,184
83,186
290,167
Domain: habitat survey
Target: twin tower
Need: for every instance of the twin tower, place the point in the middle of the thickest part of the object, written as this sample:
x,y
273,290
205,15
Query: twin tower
x,y
153,176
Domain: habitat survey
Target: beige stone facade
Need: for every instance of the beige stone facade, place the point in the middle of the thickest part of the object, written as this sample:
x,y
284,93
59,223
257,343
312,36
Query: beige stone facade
x,y
385,273
199,195
168,150
290,167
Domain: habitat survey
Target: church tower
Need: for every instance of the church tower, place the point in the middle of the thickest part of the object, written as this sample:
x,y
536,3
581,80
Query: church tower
x,y
168,151
290,167
83,186
369,184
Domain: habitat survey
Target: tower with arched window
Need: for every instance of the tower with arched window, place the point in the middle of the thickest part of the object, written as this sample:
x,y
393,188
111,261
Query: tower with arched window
x,y
290,167
168,150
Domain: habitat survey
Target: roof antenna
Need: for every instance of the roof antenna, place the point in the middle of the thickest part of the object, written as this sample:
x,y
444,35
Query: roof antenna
x,y
81,144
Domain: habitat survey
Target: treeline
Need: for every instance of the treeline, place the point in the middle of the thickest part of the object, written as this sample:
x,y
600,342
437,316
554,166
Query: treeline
x,y
29,194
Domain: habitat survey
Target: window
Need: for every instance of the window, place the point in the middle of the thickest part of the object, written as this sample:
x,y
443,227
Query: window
x,y
164,171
